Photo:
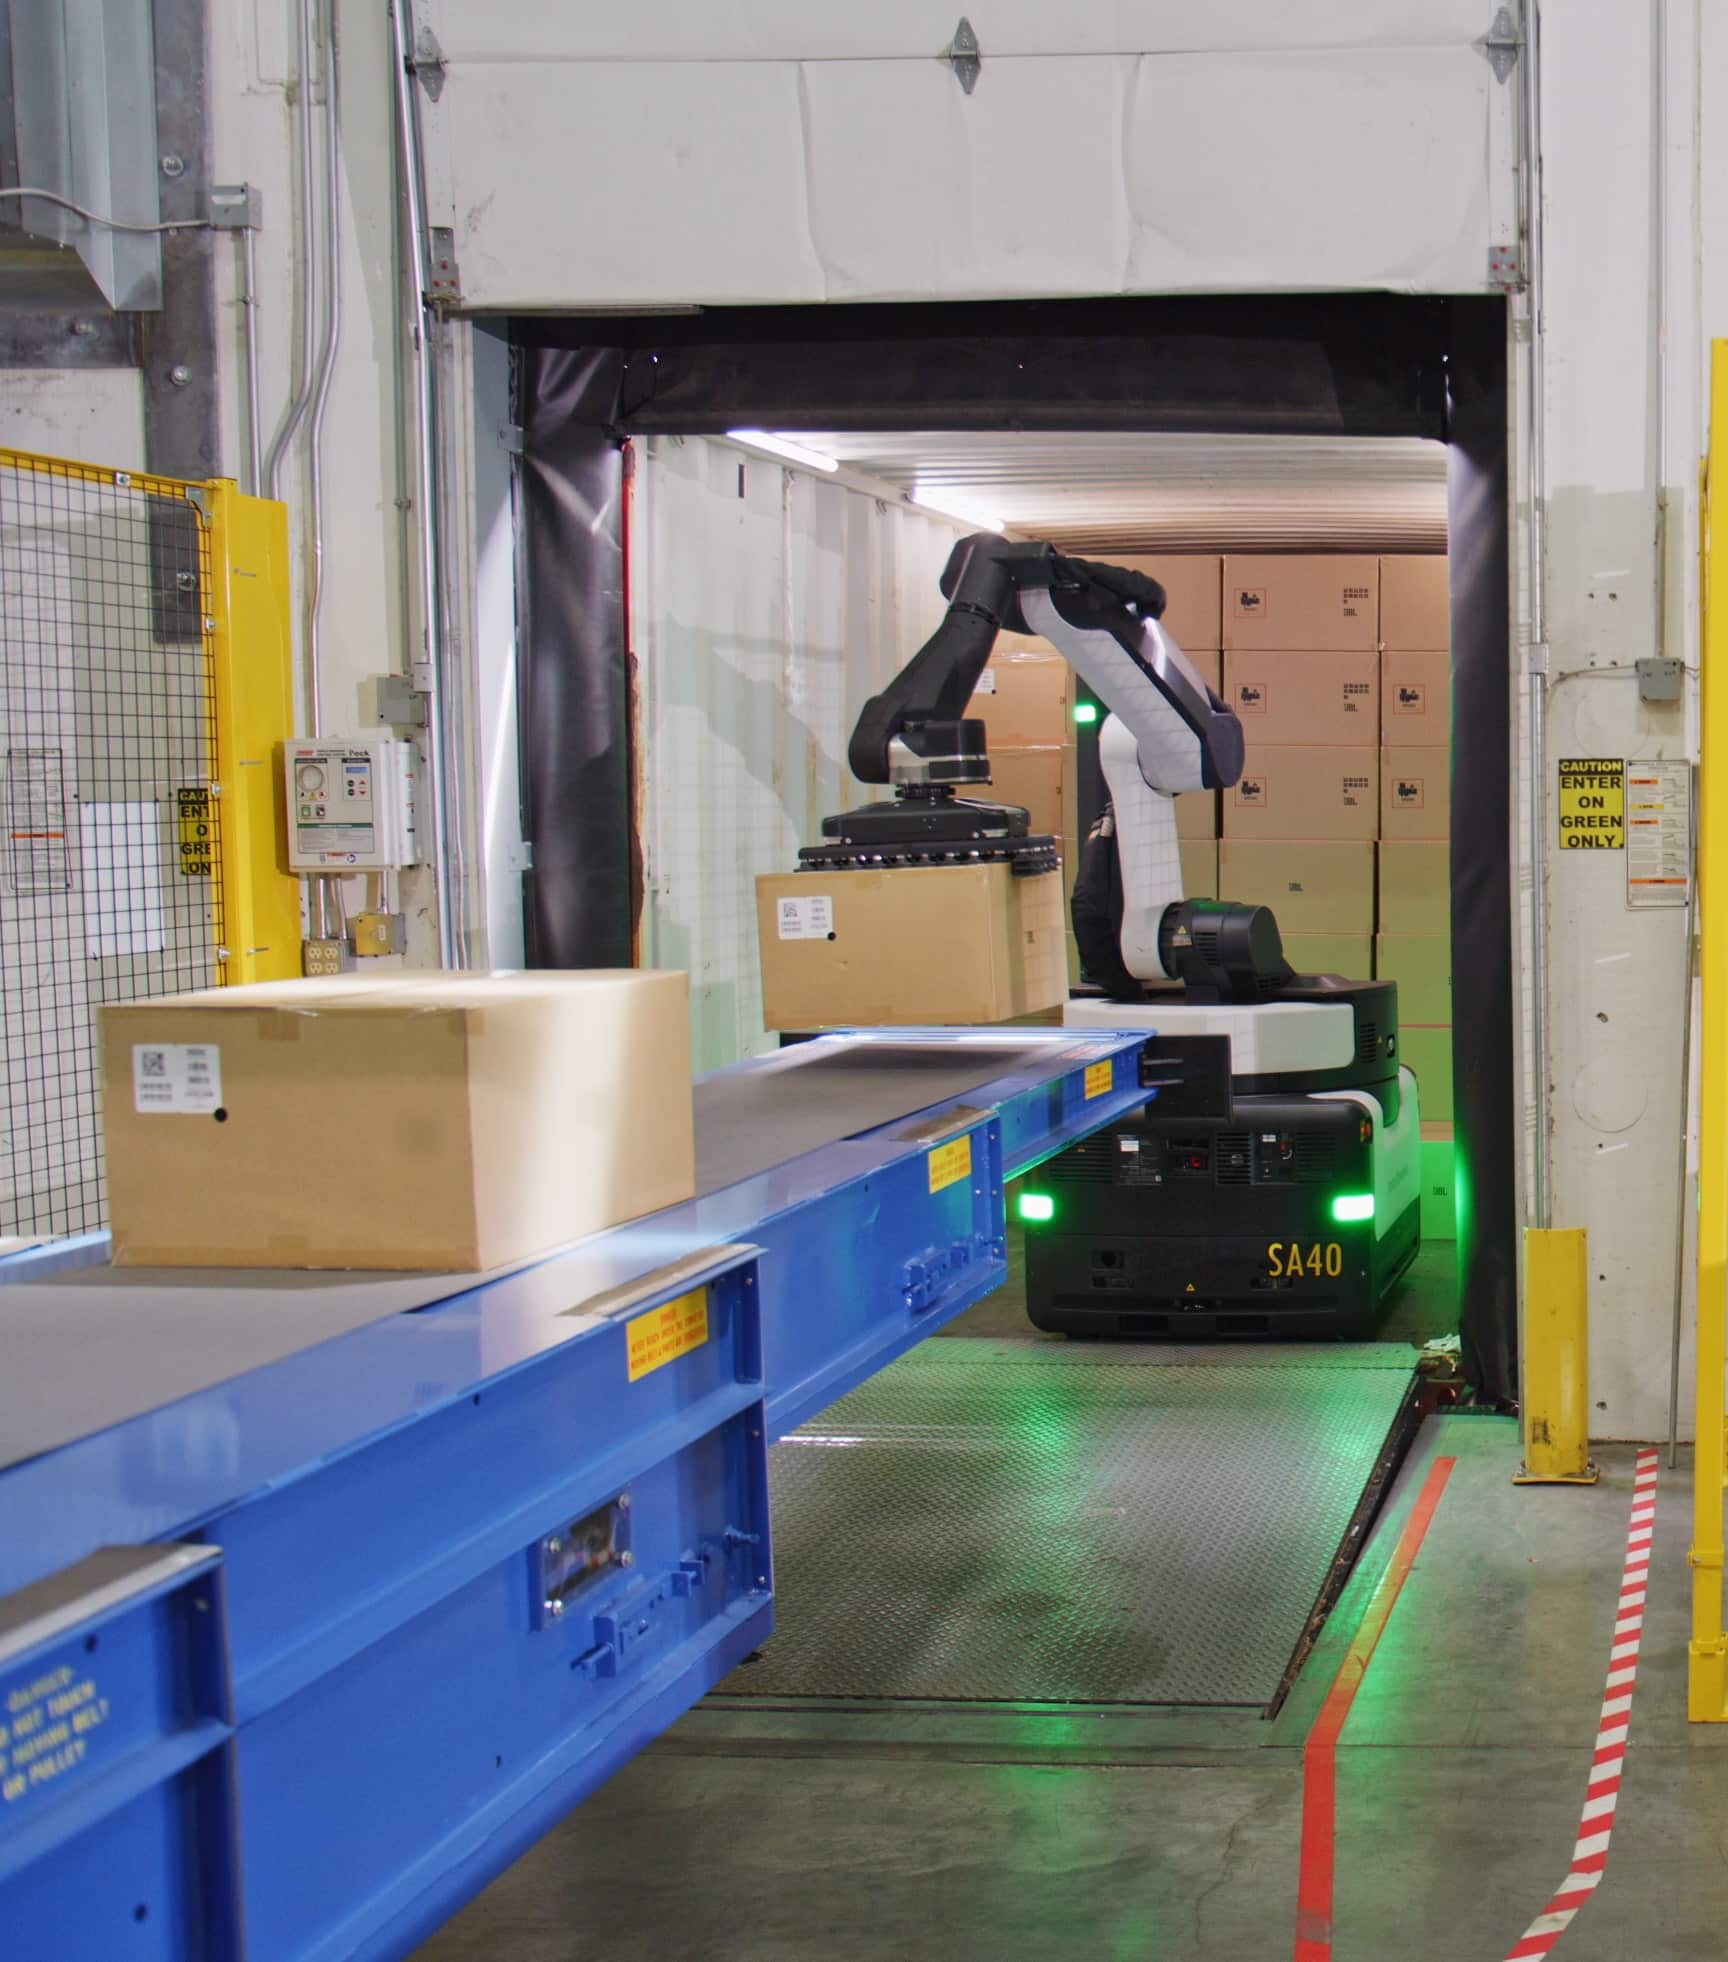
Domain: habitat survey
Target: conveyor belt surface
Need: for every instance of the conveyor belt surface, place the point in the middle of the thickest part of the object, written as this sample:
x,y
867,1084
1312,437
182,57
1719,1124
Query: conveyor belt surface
x,y
817,1094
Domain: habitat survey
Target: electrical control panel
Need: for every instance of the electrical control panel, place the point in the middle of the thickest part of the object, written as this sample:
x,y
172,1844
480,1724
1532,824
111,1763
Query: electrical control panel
x,y
351,803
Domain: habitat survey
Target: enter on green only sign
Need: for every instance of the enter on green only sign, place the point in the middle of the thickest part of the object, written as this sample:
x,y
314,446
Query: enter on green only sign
x,y
1593,803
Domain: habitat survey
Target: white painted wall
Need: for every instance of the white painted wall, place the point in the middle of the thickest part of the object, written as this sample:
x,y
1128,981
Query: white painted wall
x,y
767,604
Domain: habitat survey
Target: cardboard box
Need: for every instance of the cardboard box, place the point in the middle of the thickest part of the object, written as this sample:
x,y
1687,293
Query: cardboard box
x,y
1197,816
1416,887
1415,603
1428,1051
1421,964
1036,779
1312,887
1025,696
1199,868
1305,791
1416,700
1439,1183
937,944
1415,793
1193,584
440,1122
1292,602
1305,698
1348,954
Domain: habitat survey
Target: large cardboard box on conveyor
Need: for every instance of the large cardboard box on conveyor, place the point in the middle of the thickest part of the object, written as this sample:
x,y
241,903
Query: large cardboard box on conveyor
x,y
439,1122
916,944
1193,594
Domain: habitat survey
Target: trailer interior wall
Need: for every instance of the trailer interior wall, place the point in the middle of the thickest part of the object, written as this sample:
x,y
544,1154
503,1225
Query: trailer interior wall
x,y
767,604
1106,148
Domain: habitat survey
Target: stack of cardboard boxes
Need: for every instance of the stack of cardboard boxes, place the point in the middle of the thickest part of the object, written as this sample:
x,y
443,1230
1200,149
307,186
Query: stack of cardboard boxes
x,y
1338,667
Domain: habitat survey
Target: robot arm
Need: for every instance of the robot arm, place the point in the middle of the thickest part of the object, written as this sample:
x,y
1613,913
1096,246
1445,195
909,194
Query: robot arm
x,y
1166,733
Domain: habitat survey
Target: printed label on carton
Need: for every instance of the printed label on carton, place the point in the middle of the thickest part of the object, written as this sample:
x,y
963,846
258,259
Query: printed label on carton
x,y
1249,603
176,1078
807,919
1410,698
1409,793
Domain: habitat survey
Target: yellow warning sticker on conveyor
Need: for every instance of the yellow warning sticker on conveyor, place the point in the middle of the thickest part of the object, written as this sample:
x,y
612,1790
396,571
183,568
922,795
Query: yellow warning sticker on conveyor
x,y
666,1333
1100,1077
951,1162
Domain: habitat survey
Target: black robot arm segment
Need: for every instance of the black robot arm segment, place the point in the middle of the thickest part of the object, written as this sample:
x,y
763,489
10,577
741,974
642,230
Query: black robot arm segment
x,y
924,705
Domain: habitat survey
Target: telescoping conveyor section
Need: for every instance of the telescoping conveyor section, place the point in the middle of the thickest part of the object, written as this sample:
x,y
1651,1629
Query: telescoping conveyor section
x,y
323,1596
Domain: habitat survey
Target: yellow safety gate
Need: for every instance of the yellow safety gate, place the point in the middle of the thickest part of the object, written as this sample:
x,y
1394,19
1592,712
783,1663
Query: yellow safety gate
x,y
145,691
1708,1670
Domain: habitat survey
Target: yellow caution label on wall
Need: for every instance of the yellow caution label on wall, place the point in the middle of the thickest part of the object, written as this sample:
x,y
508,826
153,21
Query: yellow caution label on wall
x,y
951,1162
1593,803
1100,1077
666,1333
197,833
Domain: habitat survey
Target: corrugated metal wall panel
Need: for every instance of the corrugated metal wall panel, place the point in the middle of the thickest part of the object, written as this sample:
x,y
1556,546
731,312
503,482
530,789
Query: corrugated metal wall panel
x,y
768,604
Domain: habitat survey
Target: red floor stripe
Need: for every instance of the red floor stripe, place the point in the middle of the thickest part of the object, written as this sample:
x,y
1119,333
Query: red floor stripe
x,y
1320,1758
1602,1791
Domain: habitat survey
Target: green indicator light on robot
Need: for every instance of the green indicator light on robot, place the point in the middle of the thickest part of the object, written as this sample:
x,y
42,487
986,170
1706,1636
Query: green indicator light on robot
x,y
1037,1207
1085,711
1350,1206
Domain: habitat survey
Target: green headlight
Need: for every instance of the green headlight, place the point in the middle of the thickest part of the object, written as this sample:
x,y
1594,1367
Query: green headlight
x,y
1036,1207
1349,1206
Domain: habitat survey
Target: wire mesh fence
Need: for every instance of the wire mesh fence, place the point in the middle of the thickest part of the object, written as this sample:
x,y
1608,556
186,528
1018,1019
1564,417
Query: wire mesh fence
x,y
110,879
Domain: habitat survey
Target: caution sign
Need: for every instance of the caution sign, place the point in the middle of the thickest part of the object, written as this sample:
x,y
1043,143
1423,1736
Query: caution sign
x,y
1099,1078
950,1163
197,833
1593,803
666,1333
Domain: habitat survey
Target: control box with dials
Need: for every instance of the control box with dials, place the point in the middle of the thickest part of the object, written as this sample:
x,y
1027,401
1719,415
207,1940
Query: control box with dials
x,y
351,803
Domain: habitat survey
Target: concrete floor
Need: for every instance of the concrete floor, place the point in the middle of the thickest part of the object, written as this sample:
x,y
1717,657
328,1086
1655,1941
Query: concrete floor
x,y
986,1833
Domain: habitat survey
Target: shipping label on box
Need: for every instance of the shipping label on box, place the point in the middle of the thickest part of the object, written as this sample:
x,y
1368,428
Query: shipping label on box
x,y
1312,887
1301,791
1416,700
1415,603
1415,793
1314,698
1293,602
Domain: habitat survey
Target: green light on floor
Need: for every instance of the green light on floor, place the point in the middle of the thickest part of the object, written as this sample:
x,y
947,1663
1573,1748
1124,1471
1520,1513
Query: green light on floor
x,y
1085,711
1350,1206
1037,1207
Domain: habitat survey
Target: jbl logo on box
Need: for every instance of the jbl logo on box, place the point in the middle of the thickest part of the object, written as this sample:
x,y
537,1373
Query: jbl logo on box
x,y
1251,790
1356,791
1411,698
1354,598
1407,793
1355,694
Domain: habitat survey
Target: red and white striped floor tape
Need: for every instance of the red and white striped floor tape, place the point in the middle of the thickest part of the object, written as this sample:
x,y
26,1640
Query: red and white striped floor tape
x,y
1596,1827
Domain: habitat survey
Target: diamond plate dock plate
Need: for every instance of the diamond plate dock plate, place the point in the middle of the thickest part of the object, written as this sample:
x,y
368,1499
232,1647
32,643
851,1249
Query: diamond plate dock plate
x,y
1034,1522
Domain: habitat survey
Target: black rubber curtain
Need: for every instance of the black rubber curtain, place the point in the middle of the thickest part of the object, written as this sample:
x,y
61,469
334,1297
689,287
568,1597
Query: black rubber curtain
x,y
1323,364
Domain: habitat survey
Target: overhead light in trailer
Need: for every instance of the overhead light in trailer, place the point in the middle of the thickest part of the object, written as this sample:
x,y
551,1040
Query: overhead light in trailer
x,y
945,504
783,447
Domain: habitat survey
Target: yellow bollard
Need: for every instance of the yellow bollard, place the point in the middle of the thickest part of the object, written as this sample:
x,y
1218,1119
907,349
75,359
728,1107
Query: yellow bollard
x,y
1556,1358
